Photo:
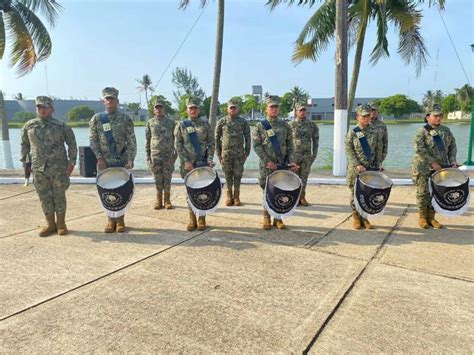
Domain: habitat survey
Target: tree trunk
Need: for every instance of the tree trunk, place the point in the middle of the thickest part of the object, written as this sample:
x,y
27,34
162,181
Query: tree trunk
x,y
7,152
357,60
217,64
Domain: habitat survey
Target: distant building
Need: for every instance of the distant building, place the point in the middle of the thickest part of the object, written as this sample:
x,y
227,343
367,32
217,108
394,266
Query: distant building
x,y
62,107
320,109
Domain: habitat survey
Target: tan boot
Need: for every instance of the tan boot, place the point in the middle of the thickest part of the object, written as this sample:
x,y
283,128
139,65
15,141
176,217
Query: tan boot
x,y
237,198
303,201
192,225
356,220
267,222
61,223
111,225
50,227
201,224
366,223
278,223
168,204
159,200
230,199
121,224
431,219
423,219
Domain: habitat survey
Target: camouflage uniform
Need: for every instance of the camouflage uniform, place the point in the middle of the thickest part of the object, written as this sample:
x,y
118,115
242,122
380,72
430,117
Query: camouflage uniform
x,y
426,153
356,156
381,130
305,136
159,148
233,147
44,140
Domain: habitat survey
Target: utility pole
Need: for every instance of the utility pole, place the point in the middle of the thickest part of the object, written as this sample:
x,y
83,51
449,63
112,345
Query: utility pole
x,y
340,101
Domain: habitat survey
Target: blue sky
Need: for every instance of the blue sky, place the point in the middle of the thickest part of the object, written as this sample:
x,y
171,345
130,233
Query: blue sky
x,y
112,43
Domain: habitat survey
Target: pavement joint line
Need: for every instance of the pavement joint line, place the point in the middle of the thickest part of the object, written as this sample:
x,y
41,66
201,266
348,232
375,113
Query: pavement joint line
x,y
428,272
318,238
98,278
16,195
354,282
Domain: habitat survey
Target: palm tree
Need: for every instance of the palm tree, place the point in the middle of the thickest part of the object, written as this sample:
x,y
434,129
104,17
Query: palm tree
x,y
464,97
145,86
432,97
217,58
30,43
19,97
320,28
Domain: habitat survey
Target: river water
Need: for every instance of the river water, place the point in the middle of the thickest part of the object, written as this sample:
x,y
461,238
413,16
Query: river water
x,y
399,154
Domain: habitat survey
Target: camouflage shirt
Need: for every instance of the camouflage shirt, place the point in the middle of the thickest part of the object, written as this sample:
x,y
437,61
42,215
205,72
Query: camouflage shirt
x,y
383,132
426,151
183,144
159,138
305,136
263,147
355,153
232,137
123,133
44,140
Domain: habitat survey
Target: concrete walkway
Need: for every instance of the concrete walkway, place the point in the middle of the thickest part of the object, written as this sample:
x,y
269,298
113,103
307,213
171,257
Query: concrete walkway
x,y
317,287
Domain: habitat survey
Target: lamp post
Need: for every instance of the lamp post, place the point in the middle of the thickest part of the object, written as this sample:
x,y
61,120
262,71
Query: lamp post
x,y
469,161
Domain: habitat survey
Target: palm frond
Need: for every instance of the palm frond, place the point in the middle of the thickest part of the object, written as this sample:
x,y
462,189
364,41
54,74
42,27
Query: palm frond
x,y
316,33
49,8
183,4
381,46
272,4
2,37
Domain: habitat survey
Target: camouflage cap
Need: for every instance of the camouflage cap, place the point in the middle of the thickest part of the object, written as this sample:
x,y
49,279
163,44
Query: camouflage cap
x,y
158,102
232,103
192,102
272,100
300,105
110,92
363,109
373,105
43,101
434,109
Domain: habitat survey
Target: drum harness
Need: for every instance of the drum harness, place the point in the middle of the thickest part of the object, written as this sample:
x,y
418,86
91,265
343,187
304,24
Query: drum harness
x,y
365,146
276,145
193,137
438,141
104,119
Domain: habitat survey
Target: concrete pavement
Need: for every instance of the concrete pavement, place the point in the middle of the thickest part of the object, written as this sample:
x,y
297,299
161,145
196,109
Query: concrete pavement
x,y
316,287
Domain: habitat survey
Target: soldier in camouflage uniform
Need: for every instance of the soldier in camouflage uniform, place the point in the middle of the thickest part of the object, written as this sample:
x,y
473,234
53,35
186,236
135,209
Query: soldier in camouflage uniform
x,y
357,161
42,139
232,147
429,159
380,127
187,154
264,149
305,146
124,135
160,152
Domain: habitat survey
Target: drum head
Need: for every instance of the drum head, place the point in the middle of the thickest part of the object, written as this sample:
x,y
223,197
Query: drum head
x,y
200,177
112,178
115,187
371,193
449,177
284,180
375,179
204,188
282,193
449,190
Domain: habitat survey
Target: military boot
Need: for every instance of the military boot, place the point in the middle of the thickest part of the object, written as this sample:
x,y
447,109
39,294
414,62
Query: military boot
x,y
121,224
168,204
278,223
192,225
61,223
267,223
356,220
111,225
230,199
431,219
201,224
366,223
423,219
237,198
159,200
303,201
50,227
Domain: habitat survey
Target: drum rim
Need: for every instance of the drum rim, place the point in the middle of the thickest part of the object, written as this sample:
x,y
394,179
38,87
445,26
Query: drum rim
x,y
292,174
457,170
102,172
196,169
370,172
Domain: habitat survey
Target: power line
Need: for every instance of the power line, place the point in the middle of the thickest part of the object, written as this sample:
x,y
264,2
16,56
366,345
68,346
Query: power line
x,y
180,46
454,47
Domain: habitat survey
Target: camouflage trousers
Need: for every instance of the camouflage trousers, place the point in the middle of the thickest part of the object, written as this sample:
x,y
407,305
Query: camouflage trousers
x,y
233,170
51,187
183,173
163,172
351,179
423,196
262,177
304,170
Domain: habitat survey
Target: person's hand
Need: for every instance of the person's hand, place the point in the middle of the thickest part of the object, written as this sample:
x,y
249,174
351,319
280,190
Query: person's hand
x,y
211,163
271,165
188,166
436,166
293,167
129,165
360,168
101,163
455,165
69,169
381,168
